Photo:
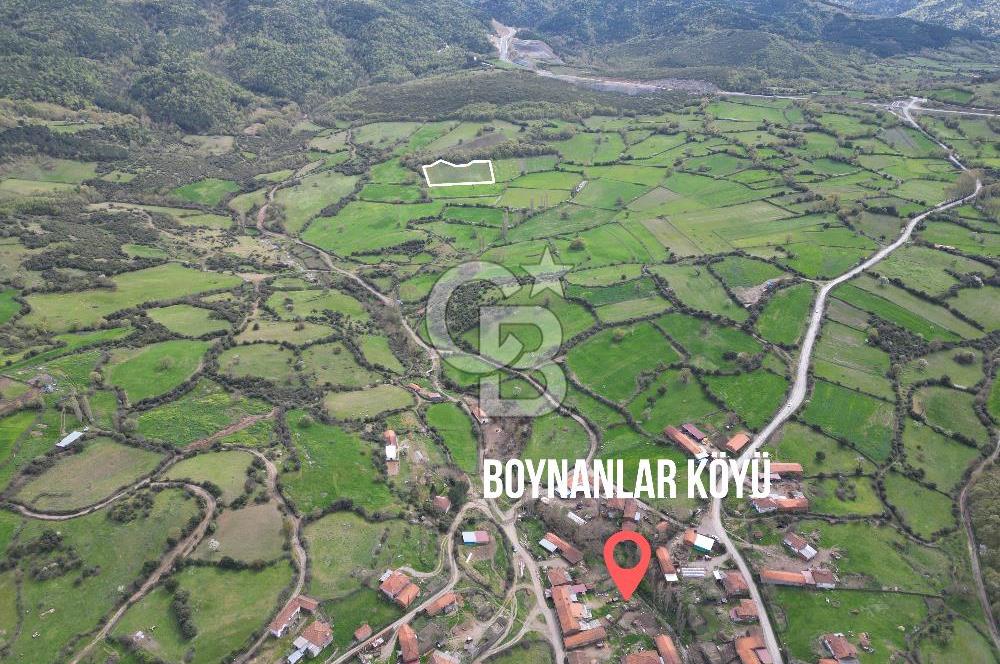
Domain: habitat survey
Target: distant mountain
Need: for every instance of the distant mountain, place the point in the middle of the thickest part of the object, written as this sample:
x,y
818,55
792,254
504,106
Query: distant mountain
x,y
196,62
979,15
809,21
736,44
202,64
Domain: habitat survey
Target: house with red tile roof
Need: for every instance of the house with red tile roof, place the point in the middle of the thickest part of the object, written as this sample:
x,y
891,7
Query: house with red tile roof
x,y
697,541
693,431
477,412
558,576
407,595
587,638
737,442
684,442
778,503
799,546
438,657
777,577
363,632
446,603
555,544
397,586
473,537
408,645
290,612
734,585
642,657
785,469
812,578
314,638
823,579
632,511
667,567
566,612
744,612
842,650
441,504
666,649
751,650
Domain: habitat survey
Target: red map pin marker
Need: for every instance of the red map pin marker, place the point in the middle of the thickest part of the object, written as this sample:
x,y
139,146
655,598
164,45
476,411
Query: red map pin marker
x,y
627,578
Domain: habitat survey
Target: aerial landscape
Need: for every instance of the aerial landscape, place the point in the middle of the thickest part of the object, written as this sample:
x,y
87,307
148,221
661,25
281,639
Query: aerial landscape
x,y
281,279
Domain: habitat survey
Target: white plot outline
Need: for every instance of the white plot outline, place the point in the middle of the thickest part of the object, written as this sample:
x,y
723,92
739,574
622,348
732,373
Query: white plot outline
x,y
427,178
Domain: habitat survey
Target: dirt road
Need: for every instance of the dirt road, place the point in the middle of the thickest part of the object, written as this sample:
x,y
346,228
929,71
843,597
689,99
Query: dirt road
x,y
298,551
713,524
182,548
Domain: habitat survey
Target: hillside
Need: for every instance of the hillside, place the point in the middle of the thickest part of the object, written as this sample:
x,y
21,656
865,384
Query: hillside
x,y
196,62
980,15
205,65
596,22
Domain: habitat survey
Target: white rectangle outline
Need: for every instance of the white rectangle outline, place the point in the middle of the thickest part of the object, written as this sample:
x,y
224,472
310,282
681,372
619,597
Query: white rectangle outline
x,y
492,179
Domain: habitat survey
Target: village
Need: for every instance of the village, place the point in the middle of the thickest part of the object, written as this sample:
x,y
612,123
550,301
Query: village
x,y
440,625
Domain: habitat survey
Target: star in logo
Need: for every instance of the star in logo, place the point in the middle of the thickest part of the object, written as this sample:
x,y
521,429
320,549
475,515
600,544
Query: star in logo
x,y
546,274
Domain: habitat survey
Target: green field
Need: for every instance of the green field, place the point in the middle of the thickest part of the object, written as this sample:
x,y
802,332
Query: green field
x,y
786,315
187,320
209,191
152,370
950,410
334,465
555,436
808,615
226,606
80,605
62,311
753,396
8,306
203,411
698,289
863,421
611,360
343,543
853,496
817,453
94,474
297,333
333,364
226,470
455,428
269,361
364,404
304,303
301,202
923,510
377,351
251,533
445,174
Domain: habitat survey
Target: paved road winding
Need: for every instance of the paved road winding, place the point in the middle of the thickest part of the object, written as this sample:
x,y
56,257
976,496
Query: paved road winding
x,y
800,386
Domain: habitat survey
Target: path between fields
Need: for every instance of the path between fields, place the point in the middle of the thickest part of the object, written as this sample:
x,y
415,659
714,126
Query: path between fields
x,y
235,427
301,559
797,394
183,548
90,509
